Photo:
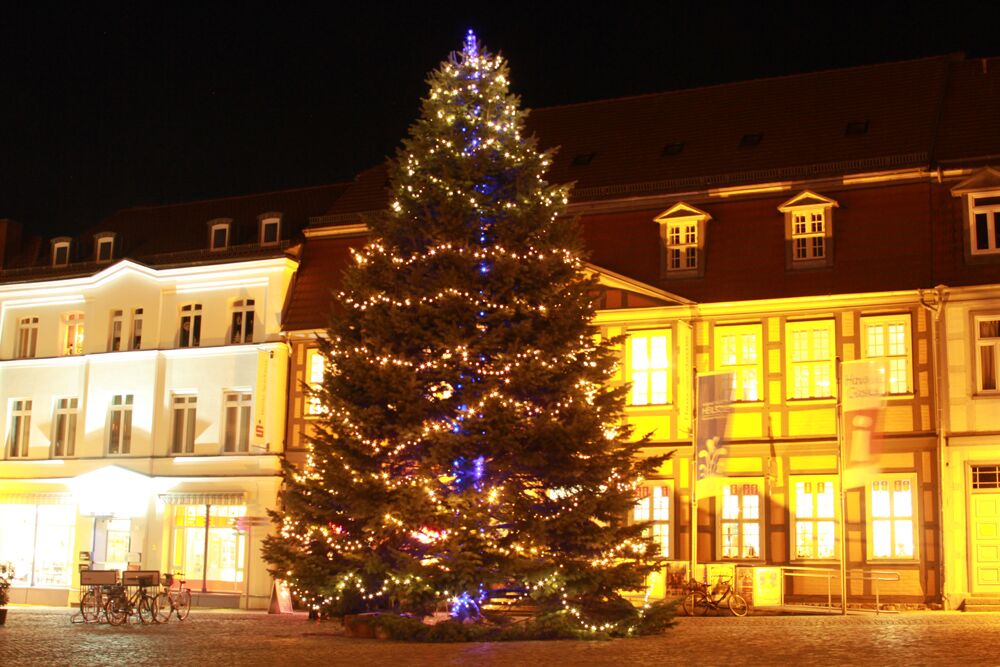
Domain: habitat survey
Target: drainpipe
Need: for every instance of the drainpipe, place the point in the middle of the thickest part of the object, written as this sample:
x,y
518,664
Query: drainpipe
x,y
940,296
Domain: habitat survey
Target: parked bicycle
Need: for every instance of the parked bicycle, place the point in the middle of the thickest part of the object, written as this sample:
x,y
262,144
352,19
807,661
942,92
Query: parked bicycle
x,y
700,599
170,601
123,604
93,602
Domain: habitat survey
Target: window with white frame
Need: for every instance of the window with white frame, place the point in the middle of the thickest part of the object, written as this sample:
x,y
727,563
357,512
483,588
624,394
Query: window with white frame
x,y
19,428
236,428
682,230
64,427
270,231
814,512
135,342
740,523
190,331
105,248
115,331
653,506
120,424
649,367
27,337
984,217
808,230
987,352
219,236
184,422
72,342
315,369
737,349
888,337
810,349
60,252
808,234
241,330
682,246
892,517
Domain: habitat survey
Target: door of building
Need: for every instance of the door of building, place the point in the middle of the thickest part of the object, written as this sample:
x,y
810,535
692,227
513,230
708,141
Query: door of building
x,y
984,533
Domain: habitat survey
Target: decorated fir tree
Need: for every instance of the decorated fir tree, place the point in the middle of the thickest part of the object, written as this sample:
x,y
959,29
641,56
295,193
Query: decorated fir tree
x,y
470,447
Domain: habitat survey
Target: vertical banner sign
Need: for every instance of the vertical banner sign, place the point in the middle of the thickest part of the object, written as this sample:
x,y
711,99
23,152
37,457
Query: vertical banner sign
x,y
715,392
864,400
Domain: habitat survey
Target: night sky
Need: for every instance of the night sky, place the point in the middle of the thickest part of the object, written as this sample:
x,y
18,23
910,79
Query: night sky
x,y
106,108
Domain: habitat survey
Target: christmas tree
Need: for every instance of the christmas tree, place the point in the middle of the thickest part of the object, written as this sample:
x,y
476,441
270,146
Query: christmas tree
x,y
471,447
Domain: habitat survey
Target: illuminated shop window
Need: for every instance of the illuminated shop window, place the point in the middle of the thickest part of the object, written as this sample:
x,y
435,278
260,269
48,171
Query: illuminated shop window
x,y
315,368
241,330
815,514
184,421
190,330
741,519
891,517
653,505
224,569
649,367
120,424
19,428
737,349
888,337
27,337
64,427
72,342
236,428
38,541
987,353
810,348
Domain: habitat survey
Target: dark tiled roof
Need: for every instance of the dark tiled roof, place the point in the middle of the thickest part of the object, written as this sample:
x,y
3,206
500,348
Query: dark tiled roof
x,y
903,114
321,265
178,233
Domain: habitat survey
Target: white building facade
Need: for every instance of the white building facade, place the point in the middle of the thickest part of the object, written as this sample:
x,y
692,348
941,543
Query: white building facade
x,y
144,416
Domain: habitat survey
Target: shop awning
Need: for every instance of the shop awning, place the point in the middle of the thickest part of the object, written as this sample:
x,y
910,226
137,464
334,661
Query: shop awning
x,y
36,499
219,498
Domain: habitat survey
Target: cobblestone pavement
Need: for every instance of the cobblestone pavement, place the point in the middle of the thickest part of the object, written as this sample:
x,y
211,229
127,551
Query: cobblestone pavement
x,y
45,636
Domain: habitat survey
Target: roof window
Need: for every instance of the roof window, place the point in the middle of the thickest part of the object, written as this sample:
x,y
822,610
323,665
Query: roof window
x,y
856,128
672,149
751,140
583,159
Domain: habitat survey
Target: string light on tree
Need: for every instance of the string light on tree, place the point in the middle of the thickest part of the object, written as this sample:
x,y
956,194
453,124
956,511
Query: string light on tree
x,y
470,442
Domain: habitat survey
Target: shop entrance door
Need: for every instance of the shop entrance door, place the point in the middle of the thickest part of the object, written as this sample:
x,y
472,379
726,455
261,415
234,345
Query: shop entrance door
x,y
112,543
984,534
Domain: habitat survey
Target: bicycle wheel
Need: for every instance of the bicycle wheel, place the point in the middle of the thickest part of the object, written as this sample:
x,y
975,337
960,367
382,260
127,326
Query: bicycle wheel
x,y
90,606
738,605
696,604
145,609
183,604
117,609
161,608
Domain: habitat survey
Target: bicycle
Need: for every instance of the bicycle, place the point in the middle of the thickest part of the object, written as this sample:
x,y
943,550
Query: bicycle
x,y
168,602
700,599
121,605
93,601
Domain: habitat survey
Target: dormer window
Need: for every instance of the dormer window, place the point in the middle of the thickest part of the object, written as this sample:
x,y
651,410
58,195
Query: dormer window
x,y
270,229
981,205
60,251
218,234
808,230
682,230
104,246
